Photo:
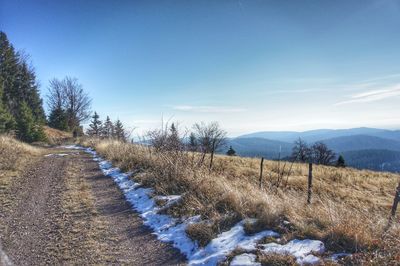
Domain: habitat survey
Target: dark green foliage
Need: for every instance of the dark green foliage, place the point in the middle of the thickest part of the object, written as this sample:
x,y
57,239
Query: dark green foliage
x,y
108,128
119,131
231,151
20,103
58,119
340,162
193,143
95,129
27,129
7,122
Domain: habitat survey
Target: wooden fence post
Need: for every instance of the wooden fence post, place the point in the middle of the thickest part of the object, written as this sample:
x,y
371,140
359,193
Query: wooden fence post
x,y
396,201
309,183
261,171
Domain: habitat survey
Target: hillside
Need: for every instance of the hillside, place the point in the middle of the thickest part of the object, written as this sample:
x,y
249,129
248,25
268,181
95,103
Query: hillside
x,y
378,160
361,142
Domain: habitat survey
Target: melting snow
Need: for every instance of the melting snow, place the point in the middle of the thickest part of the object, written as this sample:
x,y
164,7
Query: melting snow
x,y
246,259
170,229
56,154
301,249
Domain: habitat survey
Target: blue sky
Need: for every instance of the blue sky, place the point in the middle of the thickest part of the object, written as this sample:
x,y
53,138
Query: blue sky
x,y
251,65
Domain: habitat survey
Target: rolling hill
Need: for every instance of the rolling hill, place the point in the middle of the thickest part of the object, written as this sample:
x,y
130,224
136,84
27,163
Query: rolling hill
x,y
363,148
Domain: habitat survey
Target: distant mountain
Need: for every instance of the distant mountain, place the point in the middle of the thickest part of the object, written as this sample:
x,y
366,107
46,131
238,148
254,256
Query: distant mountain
x,y
361,142
378,160
322,134
252,147
368,148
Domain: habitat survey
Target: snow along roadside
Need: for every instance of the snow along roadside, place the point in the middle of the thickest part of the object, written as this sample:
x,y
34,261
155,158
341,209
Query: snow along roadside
x,y
169,229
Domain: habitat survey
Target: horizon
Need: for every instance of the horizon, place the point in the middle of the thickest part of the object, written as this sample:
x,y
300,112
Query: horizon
x,y
251,66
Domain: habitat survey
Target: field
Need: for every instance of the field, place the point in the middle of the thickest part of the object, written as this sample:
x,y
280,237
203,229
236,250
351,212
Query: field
x,y
349,210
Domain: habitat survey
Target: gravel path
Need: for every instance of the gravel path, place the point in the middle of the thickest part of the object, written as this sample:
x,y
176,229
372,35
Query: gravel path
x,y
64,211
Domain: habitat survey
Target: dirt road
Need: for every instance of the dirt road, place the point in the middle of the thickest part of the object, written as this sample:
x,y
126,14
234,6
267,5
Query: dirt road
x,y
63,210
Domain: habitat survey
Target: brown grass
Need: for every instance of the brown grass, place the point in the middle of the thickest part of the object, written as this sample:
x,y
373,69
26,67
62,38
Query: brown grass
x,y
274,259
81,230
15,156
349,209
55,136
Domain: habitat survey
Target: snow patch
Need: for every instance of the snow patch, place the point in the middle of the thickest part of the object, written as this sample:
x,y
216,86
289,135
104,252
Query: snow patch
x,y
226,242
56,154
303,250
246,259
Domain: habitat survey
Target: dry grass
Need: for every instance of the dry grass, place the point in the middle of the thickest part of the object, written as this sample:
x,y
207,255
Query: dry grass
x,y
55,136
349,210
81,229
277,260
14,154
14,157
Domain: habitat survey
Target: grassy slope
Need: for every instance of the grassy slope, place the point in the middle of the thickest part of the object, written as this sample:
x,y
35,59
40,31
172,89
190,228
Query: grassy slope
x,y
349,210
55,136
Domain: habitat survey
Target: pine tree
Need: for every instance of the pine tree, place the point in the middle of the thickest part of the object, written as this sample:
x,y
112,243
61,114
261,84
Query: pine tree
x,y
193,143
173,141
95,126
119,131
108,128
7,122
341,162
27,129
20,100
231,151
58,119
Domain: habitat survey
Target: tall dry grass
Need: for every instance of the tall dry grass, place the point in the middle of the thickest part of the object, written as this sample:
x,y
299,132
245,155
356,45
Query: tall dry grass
x,y
55,136
349,210
14,154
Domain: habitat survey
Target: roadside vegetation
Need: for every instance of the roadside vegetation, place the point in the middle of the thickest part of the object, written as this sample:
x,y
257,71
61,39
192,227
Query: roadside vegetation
x,y
15,156
349,211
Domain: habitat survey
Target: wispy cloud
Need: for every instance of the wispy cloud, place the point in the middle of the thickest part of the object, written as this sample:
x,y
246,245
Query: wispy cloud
x,y
207,109
373,95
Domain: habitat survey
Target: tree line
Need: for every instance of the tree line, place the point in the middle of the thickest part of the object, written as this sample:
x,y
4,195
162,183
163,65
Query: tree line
x,y
21,108
317,153
203,138
108,129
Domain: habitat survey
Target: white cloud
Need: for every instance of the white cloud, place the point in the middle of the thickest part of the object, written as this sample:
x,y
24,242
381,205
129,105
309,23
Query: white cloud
x,y
373,95
207,109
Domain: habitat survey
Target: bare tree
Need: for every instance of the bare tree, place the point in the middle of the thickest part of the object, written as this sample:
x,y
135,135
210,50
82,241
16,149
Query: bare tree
x,y
68,95
55,97
322,154
210,138
77,102
301,151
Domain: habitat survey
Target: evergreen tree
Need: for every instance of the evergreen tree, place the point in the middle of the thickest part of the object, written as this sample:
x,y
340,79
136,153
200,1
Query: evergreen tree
x,y
174,143
231,151
193,143
341,162
58,119
108,128
7,122
27,129
95,126
119,131
20,100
